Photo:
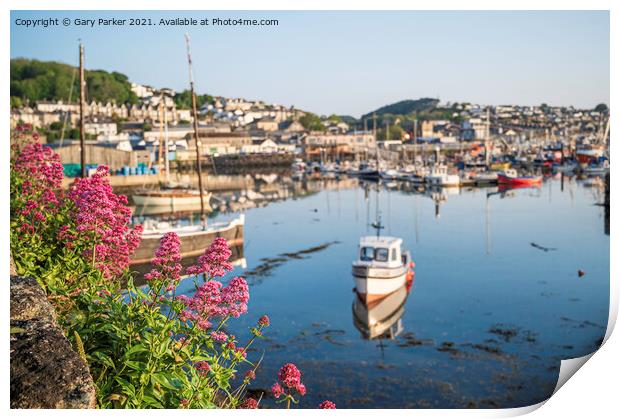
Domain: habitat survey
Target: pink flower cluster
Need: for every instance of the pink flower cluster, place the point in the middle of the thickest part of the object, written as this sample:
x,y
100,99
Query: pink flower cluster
x,y
40,166
39,171
167,271
290,379
249,403
214,262
327,405
212,300
202,367
102,219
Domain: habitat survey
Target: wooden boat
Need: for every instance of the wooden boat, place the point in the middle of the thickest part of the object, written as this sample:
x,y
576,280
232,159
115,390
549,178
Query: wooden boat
x,y
169,198
381,268
510,177
194,239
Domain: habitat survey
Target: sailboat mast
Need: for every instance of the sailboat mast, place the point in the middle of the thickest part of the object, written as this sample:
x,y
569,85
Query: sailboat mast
x,y
486,145
195,112
82,132
166,156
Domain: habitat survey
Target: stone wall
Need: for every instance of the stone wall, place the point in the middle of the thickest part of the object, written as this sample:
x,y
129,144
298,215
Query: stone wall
x,y
45,370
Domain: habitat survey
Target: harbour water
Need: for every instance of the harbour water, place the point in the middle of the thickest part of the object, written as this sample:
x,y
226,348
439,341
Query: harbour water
x,y
495,305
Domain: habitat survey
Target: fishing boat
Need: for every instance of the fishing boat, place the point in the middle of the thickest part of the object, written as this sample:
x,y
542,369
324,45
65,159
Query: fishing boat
x,y
382,266
597,169
484,178
368,172
381,318
439,177
511,177
499,166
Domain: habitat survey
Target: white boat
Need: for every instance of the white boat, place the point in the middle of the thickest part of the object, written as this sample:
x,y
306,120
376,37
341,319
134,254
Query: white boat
x,y
383,318
485,177
389,174
171,200
439,177
381,268
194,238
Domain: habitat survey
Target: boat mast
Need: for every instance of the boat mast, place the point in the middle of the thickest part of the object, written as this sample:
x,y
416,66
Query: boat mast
x,y
486,144
166,157
198,168
82,132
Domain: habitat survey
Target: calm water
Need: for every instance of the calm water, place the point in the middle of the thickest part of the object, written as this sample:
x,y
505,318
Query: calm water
x,y
489,316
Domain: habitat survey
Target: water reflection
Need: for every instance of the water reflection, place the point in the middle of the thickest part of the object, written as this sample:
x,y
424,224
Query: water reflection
x,y
381,318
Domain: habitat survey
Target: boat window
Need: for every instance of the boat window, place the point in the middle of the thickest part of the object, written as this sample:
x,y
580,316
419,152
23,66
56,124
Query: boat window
x,y
394,257
367,253
381,254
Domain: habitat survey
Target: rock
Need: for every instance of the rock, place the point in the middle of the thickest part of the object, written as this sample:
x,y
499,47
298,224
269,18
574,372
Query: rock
x,y
45,370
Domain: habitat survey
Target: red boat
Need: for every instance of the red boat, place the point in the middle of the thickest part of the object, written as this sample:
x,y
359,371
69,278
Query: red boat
x,y
510,177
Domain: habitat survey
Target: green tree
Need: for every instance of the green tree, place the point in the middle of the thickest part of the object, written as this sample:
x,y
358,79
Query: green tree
x,y
33,80
312,122
601,107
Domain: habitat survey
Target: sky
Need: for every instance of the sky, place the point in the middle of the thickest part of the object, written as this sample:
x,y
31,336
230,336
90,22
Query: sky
x,y
348,62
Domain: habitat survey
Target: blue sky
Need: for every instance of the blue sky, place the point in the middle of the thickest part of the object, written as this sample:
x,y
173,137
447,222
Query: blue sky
x,y
350,62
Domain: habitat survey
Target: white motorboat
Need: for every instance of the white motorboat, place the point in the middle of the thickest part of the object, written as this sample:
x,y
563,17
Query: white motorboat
x,y
389,174
382,267
439,177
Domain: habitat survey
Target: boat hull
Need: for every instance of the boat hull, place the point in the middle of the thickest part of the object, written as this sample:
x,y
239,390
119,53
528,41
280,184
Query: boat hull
x,y
194,240
523,181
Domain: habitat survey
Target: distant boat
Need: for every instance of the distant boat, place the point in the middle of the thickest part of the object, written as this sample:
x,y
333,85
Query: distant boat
x,y
597,169
500,166
510,177
439,177
381,268
368,172
390,174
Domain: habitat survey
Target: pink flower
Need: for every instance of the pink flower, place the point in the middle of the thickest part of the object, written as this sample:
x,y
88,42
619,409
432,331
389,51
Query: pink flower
x,y
102,219
290,375
263,321
202,367
249,403
219,336
277,390
167,271
250,375
184,403
214,262
327,405
213,300
301,389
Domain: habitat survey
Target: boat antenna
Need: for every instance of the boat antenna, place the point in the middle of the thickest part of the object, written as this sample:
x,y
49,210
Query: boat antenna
x,y
195,112
377,225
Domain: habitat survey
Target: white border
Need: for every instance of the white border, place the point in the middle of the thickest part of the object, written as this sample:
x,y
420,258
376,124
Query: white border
x,y
592,394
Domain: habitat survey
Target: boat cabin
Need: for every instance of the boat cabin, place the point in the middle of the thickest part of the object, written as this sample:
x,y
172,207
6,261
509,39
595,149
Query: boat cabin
x,y
383,252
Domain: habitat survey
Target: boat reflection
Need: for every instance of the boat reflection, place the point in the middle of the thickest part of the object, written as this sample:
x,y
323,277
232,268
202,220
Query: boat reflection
x,y
381,319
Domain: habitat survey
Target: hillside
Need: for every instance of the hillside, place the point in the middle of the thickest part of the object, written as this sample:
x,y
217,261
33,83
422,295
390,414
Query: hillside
x,y
33,80
405,107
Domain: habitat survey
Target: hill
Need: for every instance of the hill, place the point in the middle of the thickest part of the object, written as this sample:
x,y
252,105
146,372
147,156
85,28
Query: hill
x,y
405,107
33,80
